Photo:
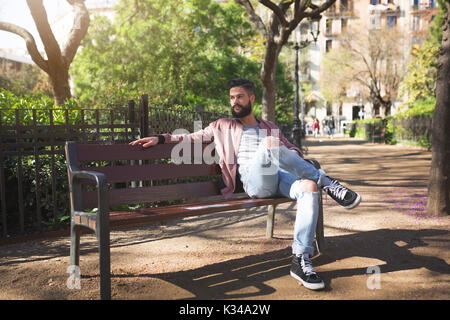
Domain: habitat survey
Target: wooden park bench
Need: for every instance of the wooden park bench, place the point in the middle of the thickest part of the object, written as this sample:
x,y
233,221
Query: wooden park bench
x,y
108,176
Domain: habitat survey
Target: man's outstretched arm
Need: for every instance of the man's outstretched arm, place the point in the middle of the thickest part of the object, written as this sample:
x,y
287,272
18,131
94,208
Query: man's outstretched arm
x,y
201,135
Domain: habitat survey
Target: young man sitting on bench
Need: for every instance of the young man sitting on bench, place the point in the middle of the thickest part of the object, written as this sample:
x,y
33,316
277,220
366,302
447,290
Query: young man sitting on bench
x,y
268,165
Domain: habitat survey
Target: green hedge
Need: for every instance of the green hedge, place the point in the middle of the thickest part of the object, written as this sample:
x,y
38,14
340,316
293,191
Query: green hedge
x,y
371,129
410,127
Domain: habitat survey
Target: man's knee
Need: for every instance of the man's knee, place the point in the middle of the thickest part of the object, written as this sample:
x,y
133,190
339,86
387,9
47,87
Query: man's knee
x,y
308,185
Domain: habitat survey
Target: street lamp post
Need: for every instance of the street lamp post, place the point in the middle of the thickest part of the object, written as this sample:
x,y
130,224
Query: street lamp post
x,y
298,130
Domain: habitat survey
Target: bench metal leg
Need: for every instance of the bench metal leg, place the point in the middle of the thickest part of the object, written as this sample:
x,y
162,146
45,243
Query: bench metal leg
x,y
74,246
270,221
105,265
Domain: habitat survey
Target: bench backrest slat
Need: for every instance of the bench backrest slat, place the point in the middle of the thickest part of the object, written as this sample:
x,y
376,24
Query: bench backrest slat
x,y
152,194
112,152
155,171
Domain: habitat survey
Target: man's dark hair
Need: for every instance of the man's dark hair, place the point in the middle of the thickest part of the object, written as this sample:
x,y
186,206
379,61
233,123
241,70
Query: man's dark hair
x,y
244,83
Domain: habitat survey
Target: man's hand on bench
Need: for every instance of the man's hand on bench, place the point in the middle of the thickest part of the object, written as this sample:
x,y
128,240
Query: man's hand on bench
x,y
145,142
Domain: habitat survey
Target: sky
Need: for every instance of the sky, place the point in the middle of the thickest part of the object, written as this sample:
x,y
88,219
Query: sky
x,y
17,12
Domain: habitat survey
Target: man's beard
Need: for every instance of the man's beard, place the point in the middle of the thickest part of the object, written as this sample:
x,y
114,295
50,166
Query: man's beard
x,y
245,110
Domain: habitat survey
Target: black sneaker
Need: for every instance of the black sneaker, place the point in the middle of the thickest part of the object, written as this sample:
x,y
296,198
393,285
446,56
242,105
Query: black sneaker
x,y
303,271
344,196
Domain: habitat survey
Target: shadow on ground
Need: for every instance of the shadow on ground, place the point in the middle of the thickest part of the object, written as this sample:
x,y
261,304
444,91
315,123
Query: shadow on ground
x,y
44,249
216,281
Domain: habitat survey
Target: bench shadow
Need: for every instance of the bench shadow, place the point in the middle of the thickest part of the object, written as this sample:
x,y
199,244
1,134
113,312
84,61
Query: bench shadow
x,y
248,276
42,250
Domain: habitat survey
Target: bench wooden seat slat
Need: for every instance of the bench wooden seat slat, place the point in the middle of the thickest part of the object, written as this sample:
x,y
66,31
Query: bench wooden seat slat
x,y
155,193
145,215
85,218
155,171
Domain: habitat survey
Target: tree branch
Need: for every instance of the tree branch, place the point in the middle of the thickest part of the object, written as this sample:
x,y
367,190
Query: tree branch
x,y
30,43
276,10
78,31
299,9
351,47
45,32
257,21
317,10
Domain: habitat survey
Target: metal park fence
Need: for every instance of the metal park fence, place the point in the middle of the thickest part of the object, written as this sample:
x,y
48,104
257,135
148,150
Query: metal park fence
x,y
34,193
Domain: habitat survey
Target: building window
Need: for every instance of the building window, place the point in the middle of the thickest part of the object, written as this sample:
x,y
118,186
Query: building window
x,y
328,45
329,26
374,22
416,23
332,9
344,5
344,23
391,21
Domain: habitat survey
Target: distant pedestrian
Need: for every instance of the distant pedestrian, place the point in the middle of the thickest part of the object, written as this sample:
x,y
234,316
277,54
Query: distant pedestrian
x,y
331,127
316,127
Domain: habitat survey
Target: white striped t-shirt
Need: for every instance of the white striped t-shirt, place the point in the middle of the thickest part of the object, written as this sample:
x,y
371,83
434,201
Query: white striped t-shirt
x,y
250,140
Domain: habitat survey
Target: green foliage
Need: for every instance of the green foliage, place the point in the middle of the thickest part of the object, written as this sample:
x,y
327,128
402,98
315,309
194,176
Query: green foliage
x,y
28,79
389,133
35,109
412,127
9,99
422,107
420,80
177,52
436,28
369,129
284,98
46,173
336,77
25,105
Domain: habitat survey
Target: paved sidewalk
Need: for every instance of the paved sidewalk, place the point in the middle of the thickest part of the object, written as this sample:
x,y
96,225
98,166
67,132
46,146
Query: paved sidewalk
x,y
227,257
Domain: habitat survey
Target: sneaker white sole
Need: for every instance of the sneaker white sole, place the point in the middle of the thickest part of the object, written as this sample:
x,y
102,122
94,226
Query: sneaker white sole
x,y
355,203
312,286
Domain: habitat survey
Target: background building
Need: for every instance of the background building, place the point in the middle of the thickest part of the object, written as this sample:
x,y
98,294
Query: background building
x,y
411,17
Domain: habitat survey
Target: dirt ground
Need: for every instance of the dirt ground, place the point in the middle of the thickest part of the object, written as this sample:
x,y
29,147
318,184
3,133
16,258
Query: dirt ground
x,y
226,255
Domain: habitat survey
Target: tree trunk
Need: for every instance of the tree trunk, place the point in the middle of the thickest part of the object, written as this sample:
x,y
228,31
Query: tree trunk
x,y
60,85
268,81
439,183
384,107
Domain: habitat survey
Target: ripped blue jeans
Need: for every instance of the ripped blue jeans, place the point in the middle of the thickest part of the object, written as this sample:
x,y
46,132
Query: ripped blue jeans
x,y
277,172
